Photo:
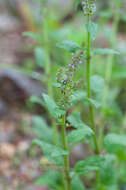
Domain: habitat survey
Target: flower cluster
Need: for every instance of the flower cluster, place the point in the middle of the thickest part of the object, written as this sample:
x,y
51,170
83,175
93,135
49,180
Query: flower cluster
x,y
65,79
89,7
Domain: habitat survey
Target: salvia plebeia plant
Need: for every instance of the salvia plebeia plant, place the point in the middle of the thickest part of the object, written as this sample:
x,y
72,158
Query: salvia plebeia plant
x,y
59,175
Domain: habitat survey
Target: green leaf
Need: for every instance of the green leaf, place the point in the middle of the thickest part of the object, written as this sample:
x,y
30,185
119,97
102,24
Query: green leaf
x,y
77,184
78,96
95,103
53,109
31,35
92,163
75,120
93,29
108,174
52,152
40,56
97,83
42,130
51,178
57,85
114,142
104,51
69,45
35,99
79,135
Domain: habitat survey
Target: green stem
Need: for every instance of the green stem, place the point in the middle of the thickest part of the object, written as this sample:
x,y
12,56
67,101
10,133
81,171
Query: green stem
x,y
89,89
91,111
66,157
55,132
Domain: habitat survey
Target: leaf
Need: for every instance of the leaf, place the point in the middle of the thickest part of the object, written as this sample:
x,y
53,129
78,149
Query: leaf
x,y
31,35
42,130
53,109
114,142
95,103
57,85
40,56
104,51
35,99
97,83
75,120
52,152
92,163
93,29
78,96
77,184
79,135
108,174
69,45
51,179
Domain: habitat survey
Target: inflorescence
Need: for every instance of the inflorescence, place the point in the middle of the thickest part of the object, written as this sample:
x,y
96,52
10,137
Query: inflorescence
x,y
65,78
89,7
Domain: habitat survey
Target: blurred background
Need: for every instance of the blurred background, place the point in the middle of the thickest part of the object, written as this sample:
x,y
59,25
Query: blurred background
x,y
28,30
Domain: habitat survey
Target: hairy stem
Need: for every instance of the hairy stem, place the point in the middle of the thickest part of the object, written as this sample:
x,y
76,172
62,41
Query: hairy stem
x,y
89,89
66,157
91,111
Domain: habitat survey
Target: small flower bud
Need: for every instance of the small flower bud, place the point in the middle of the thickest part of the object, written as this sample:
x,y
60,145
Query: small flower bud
x,y
80,62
